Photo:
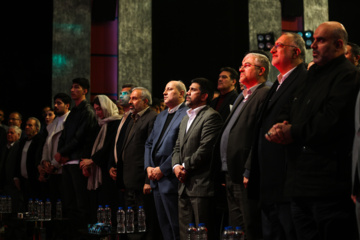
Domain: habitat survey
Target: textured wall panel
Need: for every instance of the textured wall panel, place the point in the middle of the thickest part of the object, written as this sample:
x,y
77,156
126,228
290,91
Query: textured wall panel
x,y
264,17
71,43
315,13
135,53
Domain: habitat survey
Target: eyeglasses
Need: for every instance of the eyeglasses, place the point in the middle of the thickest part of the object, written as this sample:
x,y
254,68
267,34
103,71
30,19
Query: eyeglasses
x,y
14,119
281,45
247,65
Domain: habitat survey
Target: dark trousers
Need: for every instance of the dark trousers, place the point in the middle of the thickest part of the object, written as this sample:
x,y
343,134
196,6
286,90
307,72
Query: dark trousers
x,y
196,210
233,201
167,212
324,218
75,197
277,222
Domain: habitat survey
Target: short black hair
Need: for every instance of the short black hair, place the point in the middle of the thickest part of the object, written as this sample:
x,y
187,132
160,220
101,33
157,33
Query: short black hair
x,y
64,98
205,87
234,75
83,82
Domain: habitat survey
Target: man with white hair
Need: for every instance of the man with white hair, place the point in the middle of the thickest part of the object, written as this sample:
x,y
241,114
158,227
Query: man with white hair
x,y
236,139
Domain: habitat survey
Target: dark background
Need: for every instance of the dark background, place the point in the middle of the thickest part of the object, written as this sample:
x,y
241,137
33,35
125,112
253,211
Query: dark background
x,y
190,39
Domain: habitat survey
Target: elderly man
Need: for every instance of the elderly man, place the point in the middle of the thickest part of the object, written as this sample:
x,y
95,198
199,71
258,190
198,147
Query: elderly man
x,y
318,130
233,147
192,158
226,86
268,159
29,156
158,151
136,184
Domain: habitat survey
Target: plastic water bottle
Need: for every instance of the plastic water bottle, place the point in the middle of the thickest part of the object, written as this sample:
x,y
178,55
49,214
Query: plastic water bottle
x,y
191,232
120,216
100,214
58,209
239,234
225,234
3,204
40,210
48,210
130,228
35,208
201,232
141,219
107,215
31,208
8,204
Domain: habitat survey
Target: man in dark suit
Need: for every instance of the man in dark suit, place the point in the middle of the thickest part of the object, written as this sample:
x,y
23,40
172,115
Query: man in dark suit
x,y
236,139
318,131
226,86
29,158
158,150
268,166
137,186
192,158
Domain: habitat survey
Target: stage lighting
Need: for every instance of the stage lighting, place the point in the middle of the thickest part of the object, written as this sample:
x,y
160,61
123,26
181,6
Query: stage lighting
x,y
265,41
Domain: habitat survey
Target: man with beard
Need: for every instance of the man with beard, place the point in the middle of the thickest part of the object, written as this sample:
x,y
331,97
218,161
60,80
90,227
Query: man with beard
x,y
192,158
49,167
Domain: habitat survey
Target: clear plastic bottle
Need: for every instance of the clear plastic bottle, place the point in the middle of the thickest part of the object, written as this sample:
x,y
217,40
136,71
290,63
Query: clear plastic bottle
x,y
47,210
239,233
58,209
120,216
191,232
40,210
225,234
3,204
35,209
201,232
141,219
31,208
8,204
100,214
107,214
130,228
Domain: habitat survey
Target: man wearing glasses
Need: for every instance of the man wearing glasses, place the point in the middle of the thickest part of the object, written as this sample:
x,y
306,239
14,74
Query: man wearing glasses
x,y
268,164
234,145
317,130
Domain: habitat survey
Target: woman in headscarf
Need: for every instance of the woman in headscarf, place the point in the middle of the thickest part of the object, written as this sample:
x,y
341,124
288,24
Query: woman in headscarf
x,y
97,168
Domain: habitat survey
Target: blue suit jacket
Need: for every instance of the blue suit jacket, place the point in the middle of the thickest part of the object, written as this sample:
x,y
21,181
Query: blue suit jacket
x,y
168,183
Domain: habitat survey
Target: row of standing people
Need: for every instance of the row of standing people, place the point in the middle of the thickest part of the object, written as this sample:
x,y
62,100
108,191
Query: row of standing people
x,y
291,180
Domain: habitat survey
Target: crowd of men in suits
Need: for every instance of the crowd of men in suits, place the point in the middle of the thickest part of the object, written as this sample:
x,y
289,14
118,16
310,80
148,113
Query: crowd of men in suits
x,y
282,157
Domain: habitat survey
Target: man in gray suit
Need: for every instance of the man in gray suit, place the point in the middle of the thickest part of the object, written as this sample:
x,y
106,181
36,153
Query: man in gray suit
x,y
192,158
236,140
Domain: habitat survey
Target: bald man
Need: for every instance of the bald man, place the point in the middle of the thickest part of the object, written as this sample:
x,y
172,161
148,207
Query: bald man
x,y
318,131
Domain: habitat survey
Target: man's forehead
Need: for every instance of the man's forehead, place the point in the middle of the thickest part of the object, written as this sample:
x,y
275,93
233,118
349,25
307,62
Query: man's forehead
x,y
195,85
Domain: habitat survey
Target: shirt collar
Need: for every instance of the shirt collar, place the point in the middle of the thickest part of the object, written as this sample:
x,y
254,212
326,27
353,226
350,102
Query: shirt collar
x,y
139,114
170,111
281,78
193,112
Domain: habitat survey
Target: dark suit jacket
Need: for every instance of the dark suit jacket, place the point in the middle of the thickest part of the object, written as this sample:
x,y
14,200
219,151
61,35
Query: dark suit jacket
x,y
241,135
163,153
133,151
268,159
322,118
195,150
8,164
33,159
224,109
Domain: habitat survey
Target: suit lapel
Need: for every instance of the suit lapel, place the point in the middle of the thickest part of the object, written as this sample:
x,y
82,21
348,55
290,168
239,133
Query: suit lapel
x,y
195,122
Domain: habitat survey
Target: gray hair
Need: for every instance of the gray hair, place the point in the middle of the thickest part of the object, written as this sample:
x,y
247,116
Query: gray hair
x,y
16,129
37,122
179,85
298,41
263,61
145,94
